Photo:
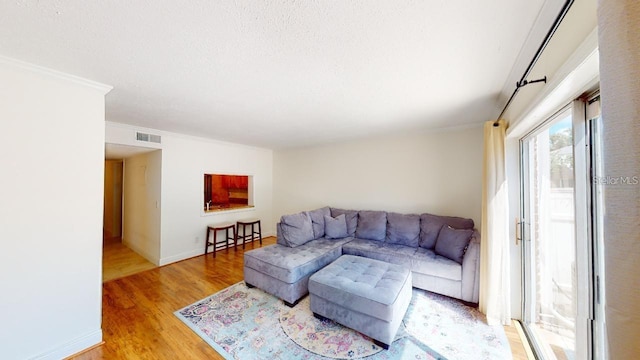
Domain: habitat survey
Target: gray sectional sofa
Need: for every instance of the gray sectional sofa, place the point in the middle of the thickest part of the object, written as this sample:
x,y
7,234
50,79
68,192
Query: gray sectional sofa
x,y
442,252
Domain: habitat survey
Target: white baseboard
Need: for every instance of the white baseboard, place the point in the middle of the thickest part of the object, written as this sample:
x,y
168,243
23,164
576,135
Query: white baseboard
x,y
73,347
179,257
140,251
189,254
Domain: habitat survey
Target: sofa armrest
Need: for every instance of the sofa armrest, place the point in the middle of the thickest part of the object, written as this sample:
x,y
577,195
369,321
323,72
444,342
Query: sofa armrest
x,y
279,238
471,270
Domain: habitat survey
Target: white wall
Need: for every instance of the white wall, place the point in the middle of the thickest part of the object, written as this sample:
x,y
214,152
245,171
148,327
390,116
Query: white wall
x,y
438,172
141,187
52,159
185,159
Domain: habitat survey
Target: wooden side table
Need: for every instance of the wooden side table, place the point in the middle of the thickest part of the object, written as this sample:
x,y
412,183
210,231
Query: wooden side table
x,y
243,225
216,229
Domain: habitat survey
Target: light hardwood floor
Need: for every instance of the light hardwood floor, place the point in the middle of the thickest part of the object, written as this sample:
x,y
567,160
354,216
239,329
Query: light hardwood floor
x,y
119,261
137,310
515,340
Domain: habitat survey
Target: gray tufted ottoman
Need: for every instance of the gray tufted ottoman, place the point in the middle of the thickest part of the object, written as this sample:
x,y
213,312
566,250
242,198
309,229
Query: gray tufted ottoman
x,y
369,296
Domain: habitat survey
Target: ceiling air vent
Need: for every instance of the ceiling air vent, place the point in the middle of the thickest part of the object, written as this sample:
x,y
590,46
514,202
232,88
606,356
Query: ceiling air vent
x,y
148,137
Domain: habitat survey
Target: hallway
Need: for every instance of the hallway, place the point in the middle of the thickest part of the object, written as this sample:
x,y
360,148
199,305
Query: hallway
x,y
119,261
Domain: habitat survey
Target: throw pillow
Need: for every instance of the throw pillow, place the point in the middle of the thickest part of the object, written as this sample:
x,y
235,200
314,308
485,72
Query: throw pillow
x,y
335,228
297,229
403,229
458,222
351,218
372,225
430,226
317,220
452,243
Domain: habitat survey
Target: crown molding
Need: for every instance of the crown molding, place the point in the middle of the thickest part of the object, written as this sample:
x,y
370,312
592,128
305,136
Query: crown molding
x,y
103,88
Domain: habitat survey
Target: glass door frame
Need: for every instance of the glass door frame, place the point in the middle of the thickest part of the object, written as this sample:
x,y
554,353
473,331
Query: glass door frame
x,y
582,202
597,332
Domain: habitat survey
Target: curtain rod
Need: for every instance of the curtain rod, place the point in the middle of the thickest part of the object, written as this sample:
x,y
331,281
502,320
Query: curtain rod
x,y
523,80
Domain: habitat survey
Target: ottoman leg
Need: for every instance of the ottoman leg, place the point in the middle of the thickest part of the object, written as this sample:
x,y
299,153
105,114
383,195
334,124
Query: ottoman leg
x,y
381,344
320,317
291,304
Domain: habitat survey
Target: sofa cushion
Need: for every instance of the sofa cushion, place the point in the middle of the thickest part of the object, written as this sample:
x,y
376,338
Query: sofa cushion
x,y
335,228
452,243
425,261
430,226
372,225
457,222
292,264
317,220
403,229
380,250
280,235
351,218
297,229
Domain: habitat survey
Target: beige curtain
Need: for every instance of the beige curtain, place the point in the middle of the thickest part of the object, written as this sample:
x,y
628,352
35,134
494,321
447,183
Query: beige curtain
x,y
494,255
619,42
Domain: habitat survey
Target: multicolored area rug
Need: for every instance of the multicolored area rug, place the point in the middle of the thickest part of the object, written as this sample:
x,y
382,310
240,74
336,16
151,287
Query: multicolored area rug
x,y
242,323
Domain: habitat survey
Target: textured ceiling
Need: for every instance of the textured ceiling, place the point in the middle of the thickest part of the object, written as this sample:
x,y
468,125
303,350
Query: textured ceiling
x,y
280,73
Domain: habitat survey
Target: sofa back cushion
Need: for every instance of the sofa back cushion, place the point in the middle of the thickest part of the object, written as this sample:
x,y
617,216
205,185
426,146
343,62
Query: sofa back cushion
x,y
372,225
335,228
351,216
317,220
403,229
297,229
458,222
452,243
430,226
280,235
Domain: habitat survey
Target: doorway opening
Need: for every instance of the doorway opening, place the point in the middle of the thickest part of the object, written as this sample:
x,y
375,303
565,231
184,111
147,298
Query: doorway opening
x,y
131,223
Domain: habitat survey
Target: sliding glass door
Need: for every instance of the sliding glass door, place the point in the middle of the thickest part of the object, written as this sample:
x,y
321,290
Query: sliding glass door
x,y
559,225
550,297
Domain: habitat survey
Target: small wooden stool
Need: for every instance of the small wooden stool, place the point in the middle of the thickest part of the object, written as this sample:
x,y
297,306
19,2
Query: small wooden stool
x,y
215,229
243,225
